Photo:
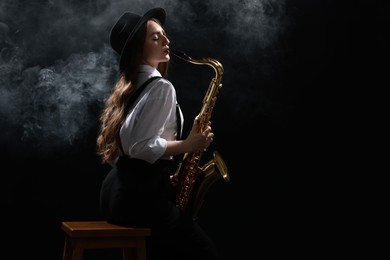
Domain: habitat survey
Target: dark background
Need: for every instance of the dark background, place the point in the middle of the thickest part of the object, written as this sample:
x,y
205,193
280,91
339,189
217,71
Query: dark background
x,y
294,120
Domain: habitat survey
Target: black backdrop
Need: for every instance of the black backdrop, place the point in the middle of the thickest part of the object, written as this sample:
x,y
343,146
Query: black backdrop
x,y
290,120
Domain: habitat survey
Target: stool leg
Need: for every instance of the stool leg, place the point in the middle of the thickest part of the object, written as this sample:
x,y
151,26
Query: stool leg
x,y
141,249
78,252
67,250
128,254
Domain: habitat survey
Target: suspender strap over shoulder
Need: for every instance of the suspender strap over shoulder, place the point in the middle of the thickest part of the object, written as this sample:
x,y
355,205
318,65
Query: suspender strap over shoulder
x,y
136,95
139,91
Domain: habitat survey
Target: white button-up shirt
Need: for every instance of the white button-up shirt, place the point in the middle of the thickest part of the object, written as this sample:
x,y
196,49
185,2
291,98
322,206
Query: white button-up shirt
x,y
151,120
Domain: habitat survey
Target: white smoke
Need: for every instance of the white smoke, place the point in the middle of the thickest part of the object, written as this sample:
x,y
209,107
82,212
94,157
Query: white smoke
x,y
56,66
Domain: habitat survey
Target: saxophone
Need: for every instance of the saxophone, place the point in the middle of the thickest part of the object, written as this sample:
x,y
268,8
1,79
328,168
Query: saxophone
x,y
192,181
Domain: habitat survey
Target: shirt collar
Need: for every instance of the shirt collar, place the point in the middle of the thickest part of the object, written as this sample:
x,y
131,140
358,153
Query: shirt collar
x,y
149,71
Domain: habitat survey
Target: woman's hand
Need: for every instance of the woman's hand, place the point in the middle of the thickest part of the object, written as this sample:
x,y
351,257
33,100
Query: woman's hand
x,y
196,140
199,140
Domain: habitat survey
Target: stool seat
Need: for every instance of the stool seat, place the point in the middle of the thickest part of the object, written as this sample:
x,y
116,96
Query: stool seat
x,y
80,235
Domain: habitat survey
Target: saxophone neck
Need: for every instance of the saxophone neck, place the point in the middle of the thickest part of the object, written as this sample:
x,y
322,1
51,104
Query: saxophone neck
x,y
216,65
180,55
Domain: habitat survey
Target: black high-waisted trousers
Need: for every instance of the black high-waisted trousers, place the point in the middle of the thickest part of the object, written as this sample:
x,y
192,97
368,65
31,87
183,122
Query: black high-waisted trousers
x,y
136,193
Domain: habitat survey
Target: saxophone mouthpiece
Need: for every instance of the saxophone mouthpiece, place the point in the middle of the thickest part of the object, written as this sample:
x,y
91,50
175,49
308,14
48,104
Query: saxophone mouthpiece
x,y
180,55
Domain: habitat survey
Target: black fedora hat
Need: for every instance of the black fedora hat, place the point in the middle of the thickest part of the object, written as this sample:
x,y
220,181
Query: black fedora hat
x,y
122,33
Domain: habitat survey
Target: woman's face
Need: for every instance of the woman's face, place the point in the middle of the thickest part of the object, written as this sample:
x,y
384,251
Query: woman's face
x,y
156,47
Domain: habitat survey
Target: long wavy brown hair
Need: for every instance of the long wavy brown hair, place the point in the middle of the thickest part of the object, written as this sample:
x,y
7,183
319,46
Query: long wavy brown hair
x,y
114,110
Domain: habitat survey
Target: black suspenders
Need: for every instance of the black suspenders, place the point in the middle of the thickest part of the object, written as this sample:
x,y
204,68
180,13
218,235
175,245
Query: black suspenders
x,y
136,95
138,91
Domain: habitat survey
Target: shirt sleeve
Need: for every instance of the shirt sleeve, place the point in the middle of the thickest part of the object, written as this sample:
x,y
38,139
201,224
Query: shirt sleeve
x,y
151,123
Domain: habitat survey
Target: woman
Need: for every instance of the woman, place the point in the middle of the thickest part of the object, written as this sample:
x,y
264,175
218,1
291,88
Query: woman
x,y
139,138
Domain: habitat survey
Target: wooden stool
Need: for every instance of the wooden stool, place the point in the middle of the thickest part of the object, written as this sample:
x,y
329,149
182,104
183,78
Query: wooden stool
x,y
81,235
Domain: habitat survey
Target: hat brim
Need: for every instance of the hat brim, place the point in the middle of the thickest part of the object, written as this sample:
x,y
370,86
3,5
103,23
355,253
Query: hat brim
x,y
159,14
